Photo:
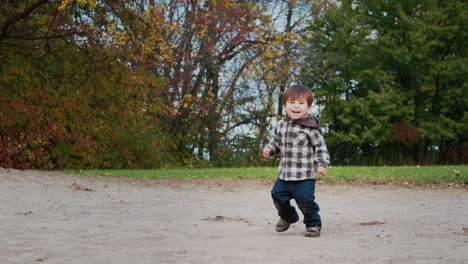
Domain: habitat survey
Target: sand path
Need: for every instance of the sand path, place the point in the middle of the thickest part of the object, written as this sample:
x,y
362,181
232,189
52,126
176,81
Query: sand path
x,y
49,217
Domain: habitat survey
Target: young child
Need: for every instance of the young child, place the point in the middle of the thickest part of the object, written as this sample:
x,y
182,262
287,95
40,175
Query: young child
x,y
299,141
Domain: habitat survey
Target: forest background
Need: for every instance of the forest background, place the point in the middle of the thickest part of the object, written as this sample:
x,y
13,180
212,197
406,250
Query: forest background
x,y
164,84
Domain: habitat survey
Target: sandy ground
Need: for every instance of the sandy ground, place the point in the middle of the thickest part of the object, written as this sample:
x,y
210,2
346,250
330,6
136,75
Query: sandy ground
x,y
49,217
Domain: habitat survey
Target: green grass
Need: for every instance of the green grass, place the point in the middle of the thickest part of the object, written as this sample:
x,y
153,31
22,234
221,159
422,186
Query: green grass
x,y
258,172
417,175
380,175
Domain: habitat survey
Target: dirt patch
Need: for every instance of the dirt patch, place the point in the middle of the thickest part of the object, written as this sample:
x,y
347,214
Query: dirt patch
x,y
372,223
51,217
78,187
226,219
25,213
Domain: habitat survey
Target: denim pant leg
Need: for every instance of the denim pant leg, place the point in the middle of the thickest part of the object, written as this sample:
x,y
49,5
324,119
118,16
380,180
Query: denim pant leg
x,y
304,194
281,198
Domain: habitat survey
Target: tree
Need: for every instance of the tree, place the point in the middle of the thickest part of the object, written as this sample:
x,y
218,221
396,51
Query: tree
x,y
202,49
391,77
68,103
274,69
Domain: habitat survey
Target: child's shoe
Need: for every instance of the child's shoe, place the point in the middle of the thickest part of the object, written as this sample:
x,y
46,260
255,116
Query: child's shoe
x,y
313,231
282,225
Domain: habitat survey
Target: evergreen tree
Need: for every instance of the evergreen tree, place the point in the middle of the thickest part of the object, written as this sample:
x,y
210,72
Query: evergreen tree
x,y
391,76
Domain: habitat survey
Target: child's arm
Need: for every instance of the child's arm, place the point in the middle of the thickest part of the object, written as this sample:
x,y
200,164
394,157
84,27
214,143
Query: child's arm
x,y
273,146
323,171
322,157
266,151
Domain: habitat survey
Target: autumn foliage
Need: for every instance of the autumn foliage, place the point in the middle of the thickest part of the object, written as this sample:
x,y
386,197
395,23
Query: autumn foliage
x,y
70,105
155,83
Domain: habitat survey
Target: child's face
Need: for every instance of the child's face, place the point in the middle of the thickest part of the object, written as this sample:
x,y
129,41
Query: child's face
x,y
297,108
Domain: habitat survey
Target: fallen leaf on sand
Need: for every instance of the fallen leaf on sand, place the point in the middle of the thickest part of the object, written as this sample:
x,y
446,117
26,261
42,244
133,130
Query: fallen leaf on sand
x,y
78,187
372,223
383,235
25,213
225,219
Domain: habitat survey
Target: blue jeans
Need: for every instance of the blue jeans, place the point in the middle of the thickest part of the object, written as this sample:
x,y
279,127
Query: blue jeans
x,y
304,194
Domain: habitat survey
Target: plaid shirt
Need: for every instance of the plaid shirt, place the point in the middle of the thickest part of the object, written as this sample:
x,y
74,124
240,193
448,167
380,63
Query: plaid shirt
x,y
302,150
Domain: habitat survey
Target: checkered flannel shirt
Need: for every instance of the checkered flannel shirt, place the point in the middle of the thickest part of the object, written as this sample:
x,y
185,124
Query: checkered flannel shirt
x,y
302,150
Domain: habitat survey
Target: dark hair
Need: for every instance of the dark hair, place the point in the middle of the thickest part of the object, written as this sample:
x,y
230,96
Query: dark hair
x,y
298,91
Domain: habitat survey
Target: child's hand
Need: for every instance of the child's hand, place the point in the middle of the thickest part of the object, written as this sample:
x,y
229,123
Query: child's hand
x,y
323,171
266,152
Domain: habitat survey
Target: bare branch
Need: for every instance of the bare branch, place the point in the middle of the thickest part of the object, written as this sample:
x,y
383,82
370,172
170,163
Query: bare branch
x,y
14,19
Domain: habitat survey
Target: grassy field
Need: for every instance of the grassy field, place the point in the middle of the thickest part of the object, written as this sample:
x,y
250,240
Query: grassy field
x,y
379,175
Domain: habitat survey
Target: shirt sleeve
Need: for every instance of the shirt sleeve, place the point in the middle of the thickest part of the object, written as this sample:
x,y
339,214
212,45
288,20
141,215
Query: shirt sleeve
x,y
322,157
275,142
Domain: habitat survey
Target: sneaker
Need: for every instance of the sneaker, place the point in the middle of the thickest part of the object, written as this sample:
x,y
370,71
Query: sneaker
x,y
313,231
282,225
